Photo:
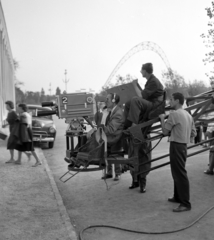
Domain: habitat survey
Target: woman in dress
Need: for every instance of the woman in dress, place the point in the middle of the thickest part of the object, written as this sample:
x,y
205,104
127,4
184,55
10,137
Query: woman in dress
x,y
11,119
25,132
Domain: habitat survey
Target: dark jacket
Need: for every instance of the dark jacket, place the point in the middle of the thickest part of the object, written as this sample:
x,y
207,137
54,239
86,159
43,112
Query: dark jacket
x,y
19,134
11,119
153,89
115,125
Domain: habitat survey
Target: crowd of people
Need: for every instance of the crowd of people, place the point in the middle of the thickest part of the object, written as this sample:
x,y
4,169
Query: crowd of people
x,y
20,137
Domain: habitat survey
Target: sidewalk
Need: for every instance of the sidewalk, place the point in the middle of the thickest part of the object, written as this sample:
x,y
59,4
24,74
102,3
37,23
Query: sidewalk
x,y
30,204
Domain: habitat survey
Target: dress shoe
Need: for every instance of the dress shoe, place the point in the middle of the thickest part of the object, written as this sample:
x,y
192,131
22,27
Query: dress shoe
x,y
208,172
142,190
181,208
117,178
172,199
134,185
107,176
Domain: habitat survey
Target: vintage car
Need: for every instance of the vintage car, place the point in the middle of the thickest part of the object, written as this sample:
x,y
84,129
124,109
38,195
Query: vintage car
x,y
44,130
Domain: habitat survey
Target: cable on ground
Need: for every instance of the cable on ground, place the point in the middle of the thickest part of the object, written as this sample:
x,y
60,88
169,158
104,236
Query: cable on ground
x,y
144,232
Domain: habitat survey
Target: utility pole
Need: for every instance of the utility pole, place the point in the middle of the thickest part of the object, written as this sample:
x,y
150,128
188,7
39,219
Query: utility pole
x,y
65,80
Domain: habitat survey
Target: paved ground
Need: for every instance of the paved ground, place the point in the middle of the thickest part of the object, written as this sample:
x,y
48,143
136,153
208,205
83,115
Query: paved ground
x,y
30,205
88,202
32,208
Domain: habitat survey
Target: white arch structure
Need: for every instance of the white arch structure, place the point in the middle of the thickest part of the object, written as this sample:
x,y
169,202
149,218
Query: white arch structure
x,y
140,47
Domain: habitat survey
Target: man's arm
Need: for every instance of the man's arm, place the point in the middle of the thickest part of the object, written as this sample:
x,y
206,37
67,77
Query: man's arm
x,y
165,131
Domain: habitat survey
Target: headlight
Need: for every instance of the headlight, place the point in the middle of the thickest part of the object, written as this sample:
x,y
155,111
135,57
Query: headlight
x,y
52,130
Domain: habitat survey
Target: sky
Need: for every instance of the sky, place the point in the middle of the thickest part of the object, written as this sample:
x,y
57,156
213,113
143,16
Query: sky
x,y
88,38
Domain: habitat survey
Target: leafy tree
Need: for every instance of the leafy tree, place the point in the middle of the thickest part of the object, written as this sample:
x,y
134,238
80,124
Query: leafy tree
x,y
197,87
42,98
42,92
48,98
37,97
209,40
20,96
174,82
30,97
58,91
119,81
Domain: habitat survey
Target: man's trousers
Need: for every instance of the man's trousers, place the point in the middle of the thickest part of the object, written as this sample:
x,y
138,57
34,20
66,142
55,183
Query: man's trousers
x,y
136,108
178,155
117,169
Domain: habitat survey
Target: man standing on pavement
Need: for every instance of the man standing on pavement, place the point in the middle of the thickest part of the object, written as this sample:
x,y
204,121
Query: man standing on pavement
x,y
181,126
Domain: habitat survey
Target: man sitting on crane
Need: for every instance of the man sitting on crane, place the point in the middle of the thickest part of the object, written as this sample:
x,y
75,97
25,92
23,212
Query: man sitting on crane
x,y
137,109
112,124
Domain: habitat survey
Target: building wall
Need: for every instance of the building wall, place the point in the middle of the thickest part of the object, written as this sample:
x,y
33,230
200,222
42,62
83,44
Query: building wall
x,y
7,87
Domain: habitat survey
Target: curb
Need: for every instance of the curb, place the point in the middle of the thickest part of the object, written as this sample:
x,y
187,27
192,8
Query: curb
x,y
62,209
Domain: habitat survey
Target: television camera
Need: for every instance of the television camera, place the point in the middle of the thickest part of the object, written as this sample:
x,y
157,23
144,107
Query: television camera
x,y
78,110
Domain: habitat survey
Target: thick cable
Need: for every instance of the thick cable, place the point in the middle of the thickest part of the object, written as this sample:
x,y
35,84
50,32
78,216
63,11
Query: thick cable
x,y
155,145
144,232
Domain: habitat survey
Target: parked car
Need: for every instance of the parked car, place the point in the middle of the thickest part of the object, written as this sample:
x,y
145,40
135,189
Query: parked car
x,y
44,129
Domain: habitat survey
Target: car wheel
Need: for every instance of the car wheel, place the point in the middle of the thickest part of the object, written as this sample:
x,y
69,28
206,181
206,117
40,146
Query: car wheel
x,y
50,144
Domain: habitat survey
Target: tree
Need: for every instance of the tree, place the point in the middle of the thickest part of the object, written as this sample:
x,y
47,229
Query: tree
x,y
119,81
30,97
42,92
197,87
48,98
209,40
123,80
174,82
37,97
42,98
20,96
58,91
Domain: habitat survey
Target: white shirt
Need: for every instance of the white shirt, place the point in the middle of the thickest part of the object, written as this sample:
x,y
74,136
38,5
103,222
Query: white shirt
x,y
105,114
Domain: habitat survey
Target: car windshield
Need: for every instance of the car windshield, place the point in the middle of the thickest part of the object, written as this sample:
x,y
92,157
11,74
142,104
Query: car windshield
x,y
32,111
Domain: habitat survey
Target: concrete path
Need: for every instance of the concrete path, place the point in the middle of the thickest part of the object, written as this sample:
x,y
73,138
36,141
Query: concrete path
x,y
30,204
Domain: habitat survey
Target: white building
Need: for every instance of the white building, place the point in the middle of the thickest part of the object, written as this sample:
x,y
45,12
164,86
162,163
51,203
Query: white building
x,y
7,88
